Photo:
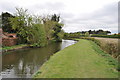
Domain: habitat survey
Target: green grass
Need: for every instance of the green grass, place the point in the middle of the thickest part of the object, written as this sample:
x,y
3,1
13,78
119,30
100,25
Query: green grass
x,y
6,48
81,60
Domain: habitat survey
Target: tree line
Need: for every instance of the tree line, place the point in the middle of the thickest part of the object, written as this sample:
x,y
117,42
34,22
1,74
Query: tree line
x,y
86,33
32,29
100,32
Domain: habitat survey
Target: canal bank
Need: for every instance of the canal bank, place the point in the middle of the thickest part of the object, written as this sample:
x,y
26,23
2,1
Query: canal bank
x,y
81,60
23,63
15,47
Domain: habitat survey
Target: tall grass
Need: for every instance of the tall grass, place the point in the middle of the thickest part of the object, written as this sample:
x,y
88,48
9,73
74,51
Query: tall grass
x,y
110,46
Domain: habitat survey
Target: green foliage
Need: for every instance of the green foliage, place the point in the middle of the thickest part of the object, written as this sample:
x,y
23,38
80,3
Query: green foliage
x,y
106,36
32,31
27,30
4,48
53,28
6,26
55,18
58,35
100,32
87,34
49,26
20,25
73,35
38,35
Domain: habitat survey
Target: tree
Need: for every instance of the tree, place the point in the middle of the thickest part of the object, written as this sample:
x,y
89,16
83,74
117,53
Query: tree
x,y
28,28
53,28
58,34
87,34
55,18
20,24
49,25
38,35
90,32
31,30
6,26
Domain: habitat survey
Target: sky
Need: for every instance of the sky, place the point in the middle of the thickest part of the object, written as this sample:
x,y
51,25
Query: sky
x,y
77,15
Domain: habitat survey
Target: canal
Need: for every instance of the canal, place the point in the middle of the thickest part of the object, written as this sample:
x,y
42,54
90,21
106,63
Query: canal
x,y
25,62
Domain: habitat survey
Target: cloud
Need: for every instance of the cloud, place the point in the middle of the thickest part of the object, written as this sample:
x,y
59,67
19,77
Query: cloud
x,y
76,14
104,18
50,6
7,7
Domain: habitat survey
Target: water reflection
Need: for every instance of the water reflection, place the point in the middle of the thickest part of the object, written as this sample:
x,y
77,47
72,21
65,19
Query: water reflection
x,y
24,63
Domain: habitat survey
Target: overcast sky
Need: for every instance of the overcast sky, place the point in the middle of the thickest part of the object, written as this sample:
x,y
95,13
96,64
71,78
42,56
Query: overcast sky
x,y
77,15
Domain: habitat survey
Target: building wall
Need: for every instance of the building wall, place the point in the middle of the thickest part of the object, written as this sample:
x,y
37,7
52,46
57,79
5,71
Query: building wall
x,y
9,41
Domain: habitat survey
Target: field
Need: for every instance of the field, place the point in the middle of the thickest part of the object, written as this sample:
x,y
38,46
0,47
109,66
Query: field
x,y
110,45
109,40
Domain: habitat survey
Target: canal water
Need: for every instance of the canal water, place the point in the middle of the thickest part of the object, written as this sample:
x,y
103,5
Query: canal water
x,y
25,62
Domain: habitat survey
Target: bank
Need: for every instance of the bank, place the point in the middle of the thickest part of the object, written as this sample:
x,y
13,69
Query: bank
x,y
81,60
15,47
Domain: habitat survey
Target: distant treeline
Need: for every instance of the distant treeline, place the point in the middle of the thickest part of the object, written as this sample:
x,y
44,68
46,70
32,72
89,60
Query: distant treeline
x,y
90,33
106,36
32,29
100,32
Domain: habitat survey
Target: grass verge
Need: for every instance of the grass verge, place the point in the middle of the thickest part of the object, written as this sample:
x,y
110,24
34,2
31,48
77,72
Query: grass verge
x,y
81,60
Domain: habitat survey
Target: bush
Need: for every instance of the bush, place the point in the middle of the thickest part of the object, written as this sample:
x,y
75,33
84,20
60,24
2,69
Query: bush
x,y
106,36
73,35
38,37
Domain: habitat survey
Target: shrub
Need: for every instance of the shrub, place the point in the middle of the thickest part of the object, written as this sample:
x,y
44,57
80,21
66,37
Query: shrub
x,y
38,37
105,36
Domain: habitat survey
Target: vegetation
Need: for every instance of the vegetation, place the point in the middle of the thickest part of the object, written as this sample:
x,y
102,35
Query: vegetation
x,y
106,36
107,45
33,30
92,39
53,28
86,34
81,60
99,32
6,26
110,46
14,47
73,35
39,37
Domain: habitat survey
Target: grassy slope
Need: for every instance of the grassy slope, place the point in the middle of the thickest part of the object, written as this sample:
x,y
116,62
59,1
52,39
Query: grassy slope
x,y
77,61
